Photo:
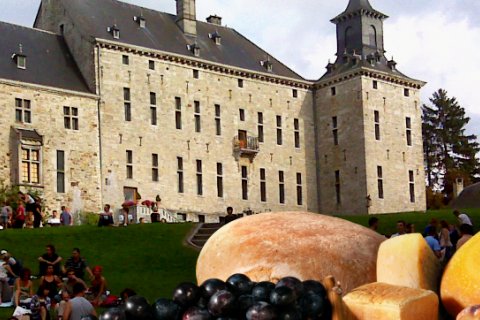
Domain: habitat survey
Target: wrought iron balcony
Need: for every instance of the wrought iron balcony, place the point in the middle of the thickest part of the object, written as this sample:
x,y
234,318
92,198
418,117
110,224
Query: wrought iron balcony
x,y
246,145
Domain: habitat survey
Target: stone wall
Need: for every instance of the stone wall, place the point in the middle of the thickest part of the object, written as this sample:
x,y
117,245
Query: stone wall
x,y
82,172
170,80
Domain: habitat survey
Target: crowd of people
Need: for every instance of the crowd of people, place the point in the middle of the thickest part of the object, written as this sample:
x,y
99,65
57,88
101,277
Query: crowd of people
x,y
28,213
442,237
62,289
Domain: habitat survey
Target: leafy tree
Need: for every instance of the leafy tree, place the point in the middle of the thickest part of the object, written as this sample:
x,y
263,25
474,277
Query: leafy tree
x,y
449,152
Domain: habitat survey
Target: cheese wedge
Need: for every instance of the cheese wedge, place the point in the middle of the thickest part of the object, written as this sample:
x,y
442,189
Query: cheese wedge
x,y
381,301
408,261
461,279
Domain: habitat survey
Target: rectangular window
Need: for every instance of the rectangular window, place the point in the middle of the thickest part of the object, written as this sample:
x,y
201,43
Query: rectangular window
x,y
281,187
60,171
23,112
129,164
380,181
335,130
375,84
218,121
199,178
127,105
70,118
333,90
196,74
260,127
241,114
411,178
295,93
178,113
296,133
240,83
377,124
263,185
151,64
180,174
408,125
337,187
279,130
219,180
30,165
299,189
154,167
197,116
125,59
244,183
406,92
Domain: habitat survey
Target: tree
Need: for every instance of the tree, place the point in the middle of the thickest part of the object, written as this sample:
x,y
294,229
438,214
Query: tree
x,y
449,152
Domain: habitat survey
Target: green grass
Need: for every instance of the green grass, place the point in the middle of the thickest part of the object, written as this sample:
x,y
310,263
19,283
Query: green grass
x,y
387,222
151,258
148,258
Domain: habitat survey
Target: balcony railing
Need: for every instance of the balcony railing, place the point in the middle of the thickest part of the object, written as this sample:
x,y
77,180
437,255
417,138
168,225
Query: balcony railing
x,y
248,146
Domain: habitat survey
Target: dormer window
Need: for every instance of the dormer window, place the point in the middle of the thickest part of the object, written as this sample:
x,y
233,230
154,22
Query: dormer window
x,y
142,22
114,31
20,59
216,37
194,48
267,64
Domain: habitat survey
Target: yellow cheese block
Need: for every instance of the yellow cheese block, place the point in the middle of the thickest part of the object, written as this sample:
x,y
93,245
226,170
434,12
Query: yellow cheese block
x,y
408,261
461,279
381,301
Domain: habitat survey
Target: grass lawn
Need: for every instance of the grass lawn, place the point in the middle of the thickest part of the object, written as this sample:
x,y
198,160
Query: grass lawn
x,y
151,258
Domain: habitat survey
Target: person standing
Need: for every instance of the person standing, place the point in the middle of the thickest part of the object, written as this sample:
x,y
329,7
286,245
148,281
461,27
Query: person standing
x,y
445,242
78,307
433,242
401,229
462,218
6,215
19,216
66,217
37,214
230,216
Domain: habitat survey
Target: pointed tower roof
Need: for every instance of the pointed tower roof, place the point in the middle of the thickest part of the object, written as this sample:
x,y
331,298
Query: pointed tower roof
x,y
356,7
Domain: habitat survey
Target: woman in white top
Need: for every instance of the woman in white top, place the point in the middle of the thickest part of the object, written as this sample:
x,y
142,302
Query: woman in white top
x,y
5,290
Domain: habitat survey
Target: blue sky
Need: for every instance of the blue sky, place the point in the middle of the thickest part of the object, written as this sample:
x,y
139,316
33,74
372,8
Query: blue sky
x,y
437,41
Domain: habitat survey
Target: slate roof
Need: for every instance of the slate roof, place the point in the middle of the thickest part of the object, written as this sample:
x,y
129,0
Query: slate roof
x,y
468,198
48,60
355,6
93,17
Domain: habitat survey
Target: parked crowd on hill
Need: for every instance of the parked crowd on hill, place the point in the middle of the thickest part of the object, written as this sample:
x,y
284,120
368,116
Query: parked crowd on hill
x,y
62,288
442,237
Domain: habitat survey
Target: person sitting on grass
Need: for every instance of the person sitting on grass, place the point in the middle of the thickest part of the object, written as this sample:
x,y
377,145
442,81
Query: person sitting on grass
x,y
78,264
52,282
97,291
5,291
78,307
40,304
23,288
71,281
49,258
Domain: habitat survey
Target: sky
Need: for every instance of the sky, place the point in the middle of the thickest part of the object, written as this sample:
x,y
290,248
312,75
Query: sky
x,y
437,41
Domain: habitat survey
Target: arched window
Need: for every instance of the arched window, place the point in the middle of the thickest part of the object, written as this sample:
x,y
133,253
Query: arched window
x,y
372,36
348,35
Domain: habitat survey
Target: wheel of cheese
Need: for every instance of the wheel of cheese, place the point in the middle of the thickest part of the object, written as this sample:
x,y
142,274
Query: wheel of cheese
x,y
470,313
270,246
460,285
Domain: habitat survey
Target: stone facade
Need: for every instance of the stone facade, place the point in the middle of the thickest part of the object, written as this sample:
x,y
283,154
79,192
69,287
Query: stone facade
x,y
81,147
336,146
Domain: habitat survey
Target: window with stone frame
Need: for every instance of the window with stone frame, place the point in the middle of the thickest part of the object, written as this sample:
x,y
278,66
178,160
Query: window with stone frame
x,y
30,165
127,104
296,133
244,182
197,116
279,131
129,162
178,113
180,186
411,178
218,120
23,111
337,187
60,171
70,118
153,108
219,180
380,182
408,130
199,177
281,187
299,189
260,127
155,167
376,115
263,185
335,130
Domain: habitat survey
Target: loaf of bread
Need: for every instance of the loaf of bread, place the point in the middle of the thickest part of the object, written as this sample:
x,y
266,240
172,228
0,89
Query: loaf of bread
x,y
270,246
381,301
470,313
460,286
408,261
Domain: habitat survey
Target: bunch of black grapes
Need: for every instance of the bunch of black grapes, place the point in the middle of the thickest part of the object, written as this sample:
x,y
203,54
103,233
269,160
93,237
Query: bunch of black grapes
x,y
237,298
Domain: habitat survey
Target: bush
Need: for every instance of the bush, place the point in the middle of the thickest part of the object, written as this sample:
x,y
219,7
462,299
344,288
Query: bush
x,y
88,218
435,200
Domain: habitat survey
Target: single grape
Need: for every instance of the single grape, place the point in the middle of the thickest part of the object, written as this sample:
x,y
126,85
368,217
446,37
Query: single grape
x,y
261,291
313,286
116,313
137,308
221,303
166,309
239,284
313,306
196,313
282,296
211,286
244,302
293,283
261,311
186,294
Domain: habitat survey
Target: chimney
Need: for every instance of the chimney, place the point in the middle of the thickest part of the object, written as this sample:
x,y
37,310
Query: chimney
x,y
186,17
214,19
457,187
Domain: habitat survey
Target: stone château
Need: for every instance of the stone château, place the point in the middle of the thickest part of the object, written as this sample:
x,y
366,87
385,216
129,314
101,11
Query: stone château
x,y
105,101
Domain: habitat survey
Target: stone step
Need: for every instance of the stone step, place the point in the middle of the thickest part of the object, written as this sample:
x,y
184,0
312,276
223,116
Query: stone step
x,y
199,243
201,237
